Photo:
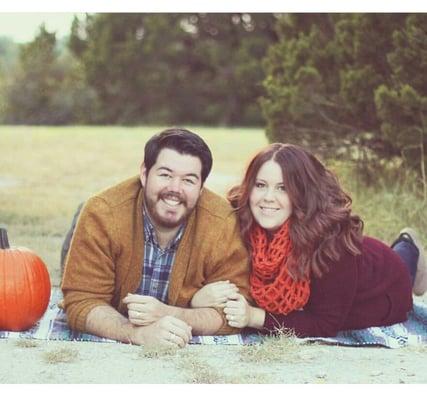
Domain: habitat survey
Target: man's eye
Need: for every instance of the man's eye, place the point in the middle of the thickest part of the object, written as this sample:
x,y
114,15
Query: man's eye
x,y
189,181
165,175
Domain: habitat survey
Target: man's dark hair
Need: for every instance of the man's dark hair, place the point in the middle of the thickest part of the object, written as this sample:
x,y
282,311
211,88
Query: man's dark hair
x,y
183,142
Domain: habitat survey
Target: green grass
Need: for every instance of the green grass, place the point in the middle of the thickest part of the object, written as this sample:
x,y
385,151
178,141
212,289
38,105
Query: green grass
x,y
45,172
391,203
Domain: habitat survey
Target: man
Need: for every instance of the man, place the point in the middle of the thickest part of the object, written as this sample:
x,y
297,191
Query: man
x,y
143,248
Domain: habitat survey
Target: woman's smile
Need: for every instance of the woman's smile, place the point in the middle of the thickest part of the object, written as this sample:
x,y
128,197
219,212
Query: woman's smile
x,y
268,210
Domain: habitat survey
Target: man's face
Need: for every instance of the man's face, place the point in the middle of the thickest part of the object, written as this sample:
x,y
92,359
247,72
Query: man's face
x,y
171,188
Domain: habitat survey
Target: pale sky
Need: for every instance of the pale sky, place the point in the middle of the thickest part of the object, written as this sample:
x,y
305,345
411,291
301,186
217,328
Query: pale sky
x,y
22,27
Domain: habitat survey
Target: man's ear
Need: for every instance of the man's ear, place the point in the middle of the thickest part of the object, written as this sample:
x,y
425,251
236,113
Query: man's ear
x,y
143,174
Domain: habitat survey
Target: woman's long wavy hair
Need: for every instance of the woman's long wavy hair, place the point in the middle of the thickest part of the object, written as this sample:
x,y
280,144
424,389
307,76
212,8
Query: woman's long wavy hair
x,y
321,224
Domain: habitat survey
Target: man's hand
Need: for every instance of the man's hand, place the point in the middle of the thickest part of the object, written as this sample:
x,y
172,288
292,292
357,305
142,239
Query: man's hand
x,y
214,294
167,331
144,310
107,322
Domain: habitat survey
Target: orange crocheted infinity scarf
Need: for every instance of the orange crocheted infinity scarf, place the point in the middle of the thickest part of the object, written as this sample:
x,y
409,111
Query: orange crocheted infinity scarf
x,y
272,287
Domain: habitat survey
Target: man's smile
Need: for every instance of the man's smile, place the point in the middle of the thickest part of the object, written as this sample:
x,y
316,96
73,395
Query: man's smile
x,y
171,200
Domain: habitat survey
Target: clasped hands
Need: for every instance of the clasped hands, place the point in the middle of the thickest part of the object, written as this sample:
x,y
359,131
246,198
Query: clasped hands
x,y
225,295
160,327
154,323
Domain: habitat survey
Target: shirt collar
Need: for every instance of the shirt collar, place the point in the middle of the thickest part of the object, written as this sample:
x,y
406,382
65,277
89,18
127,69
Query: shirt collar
x,y
150,232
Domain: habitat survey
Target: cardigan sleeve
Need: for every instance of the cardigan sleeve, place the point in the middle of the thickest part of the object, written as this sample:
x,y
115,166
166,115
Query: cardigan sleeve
x,y
89,274
330,301
229,260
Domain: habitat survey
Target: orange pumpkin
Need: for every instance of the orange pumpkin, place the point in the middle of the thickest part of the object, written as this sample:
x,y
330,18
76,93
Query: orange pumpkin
x,y
24,286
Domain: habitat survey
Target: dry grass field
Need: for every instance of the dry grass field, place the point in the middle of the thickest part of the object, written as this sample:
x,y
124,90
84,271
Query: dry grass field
x,y
46,172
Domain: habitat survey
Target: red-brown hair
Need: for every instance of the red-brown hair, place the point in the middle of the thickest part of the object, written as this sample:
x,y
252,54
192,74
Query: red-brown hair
x,y
321,223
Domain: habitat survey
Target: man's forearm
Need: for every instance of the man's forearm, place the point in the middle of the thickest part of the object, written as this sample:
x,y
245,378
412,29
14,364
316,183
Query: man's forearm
x,y
204,321
167,331
107,322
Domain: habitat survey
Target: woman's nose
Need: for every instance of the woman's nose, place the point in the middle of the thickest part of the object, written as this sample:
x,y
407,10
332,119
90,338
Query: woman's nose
x,y
269,195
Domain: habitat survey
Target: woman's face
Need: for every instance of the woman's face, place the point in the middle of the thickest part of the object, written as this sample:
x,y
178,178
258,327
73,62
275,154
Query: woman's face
x,y
269,202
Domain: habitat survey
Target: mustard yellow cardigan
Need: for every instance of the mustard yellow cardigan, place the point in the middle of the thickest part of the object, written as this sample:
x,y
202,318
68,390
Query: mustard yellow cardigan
x,y
106,253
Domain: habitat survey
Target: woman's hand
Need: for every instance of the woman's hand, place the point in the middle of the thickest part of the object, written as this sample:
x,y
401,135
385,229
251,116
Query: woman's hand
x,y
237,311
240,313
214,294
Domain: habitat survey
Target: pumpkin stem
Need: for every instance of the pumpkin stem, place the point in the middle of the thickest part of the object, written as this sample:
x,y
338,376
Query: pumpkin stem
x,y
4,241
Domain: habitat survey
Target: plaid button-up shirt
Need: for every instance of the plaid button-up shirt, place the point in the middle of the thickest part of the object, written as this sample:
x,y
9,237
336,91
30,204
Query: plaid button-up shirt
x,y
158,262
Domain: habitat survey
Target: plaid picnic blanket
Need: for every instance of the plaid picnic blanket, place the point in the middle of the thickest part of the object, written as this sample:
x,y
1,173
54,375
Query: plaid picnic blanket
x,y
53,326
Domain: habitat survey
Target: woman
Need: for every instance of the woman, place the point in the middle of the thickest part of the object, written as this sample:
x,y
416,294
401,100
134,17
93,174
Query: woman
x,y
312,269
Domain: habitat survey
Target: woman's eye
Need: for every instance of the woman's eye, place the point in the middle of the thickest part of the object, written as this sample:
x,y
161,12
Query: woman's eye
x,y
281,188
259,185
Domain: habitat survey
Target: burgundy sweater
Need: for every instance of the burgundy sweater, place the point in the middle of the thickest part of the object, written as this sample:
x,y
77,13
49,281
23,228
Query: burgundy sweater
x,y
372,289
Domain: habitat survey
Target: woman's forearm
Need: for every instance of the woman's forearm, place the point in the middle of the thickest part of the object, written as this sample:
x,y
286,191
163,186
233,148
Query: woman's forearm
x,y
256,317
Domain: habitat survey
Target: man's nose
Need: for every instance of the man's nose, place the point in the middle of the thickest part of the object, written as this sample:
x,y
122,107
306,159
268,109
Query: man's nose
x,y
175,185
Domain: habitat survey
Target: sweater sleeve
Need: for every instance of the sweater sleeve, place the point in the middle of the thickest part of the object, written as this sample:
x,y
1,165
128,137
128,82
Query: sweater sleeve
x,y
89,276
331,299
230,261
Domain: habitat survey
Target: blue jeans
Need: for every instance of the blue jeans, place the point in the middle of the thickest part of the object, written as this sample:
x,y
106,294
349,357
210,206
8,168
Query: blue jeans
x,y
409,253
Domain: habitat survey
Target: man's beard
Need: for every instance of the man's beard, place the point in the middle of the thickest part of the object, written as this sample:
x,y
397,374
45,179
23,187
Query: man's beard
x,y
160,221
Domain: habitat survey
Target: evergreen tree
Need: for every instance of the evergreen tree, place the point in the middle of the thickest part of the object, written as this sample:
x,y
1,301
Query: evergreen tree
x,y
402,101
175,68
321,78
36,78
47,87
